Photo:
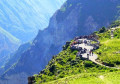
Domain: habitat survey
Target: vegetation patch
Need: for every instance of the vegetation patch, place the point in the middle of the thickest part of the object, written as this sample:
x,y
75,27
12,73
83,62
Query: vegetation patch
x,y
67,68
66,64
109,49
90,78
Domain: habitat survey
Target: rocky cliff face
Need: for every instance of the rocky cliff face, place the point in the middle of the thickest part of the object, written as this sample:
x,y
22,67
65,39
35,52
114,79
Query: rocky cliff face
x,y
76,17
23,18
20,21
8,44
14,57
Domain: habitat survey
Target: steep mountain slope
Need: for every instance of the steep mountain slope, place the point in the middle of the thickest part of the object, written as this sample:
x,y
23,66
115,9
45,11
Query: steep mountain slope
x,y
8,44
89,78
20,20
76,17
14,57
109,51
82,71
24,18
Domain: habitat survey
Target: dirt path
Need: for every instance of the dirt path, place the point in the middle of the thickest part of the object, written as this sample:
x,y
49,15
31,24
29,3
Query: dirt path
x,y
112,31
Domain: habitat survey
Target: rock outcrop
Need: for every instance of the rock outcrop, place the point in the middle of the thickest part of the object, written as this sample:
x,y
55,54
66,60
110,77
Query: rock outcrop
x,y
24,18
8,44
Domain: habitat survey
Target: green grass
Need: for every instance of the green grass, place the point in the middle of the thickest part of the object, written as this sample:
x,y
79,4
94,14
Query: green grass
x,y
117,33
66,64
66,68
109,51
93,42
90,78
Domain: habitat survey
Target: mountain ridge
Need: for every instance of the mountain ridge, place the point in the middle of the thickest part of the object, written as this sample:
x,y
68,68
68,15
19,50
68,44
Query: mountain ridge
x,y
8,44
10,36
26,17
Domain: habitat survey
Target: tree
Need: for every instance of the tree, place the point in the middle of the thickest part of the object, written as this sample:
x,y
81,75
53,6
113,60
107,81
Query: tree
x,y
103,29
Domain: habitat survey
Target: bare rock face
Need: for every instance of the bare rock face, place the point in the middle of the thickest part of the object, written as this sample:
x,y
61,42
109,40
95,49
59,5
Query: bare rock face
x,y
8,44
24,18
15,79
76,17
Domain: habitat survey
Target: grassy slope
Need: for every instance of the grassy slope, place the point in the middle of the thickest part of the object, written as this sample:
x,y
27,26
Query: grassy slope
x,y
67,68
66,64
90,78
109,51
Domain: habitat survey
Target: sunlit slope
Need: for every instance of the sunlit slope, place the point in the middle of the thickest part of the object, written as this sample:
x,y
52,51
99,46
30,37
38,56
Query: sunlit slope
x,y
90,78
109,51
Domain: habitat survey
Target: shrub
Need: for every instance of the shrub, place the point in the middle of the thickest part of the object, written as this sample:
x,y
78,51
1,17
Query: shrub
x,y
102,30
73,62
88,64
52,68
61,75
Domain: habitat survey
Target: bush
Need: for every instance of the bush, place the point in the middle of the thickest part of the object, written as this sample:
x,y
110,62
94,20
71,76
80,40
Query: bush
x,y
52,68
61,75
88,64
102,30
73,62
62,62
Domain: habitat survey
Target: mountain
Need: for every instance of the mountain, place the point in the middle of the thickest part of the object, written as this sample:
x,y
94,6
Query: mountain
x,y
8,44
75,18
20,22
14,57
69,68
24,18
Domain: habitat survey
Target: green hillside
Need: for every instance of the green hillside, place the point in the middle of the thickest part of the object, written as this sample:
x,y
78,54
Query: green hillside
x,y
67,68
90,78
66,64
109,51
